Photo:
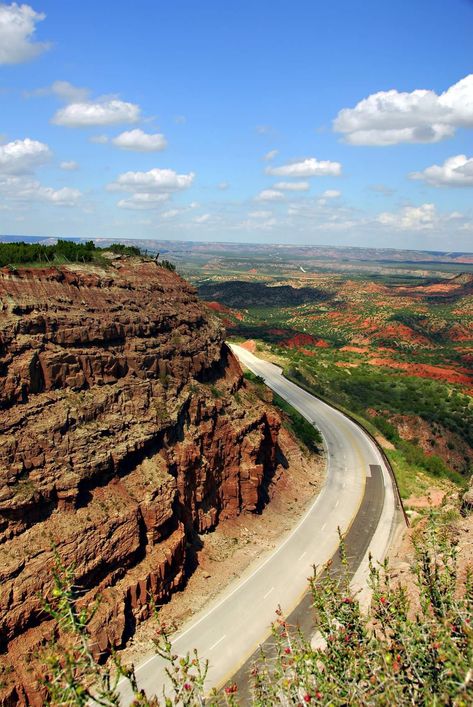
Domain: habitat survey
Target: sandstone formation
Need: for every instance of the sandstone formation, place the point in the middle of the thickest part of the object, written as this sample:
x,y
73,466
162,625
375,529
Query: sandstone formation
x,y
125,428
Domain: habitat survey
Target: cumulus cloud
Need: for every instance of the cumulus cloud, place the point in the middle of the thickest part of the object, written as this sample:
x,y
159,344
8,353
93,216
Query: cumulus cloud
x,y
22,156
310,167
106,111
292,186
270,155
20,188
60,197
140,141
17,27
140,201
411,218
392,117
331,194
269,195
149,189
156,180
62,89
203,218
456,171
170,213
69,166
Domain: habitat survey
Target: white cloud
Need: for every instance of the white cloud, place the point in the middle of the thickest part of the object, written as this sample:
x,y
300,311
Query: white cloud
x,y
202,219
411,218
269,195
21,189
170,213
106,111
310,167
68,92
61,197
292,186
140,201
456,171
270,155
69,166
331,194
392,117
140,141
22,156
156,180
62,89
17,27
223,186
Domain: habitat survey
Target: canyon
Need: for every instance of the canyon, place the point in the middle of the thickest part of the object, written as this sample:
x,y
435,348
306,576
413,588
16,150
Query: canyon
x,y
127,429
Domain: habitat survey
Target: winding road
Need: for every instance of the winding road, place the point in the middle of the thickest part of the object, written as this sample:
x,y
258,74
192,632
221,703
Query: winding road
x,y
358,497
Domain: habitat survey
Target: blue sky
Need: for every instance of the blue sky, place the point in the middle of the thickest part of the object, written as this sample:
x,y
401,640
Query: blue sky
x,y
269,121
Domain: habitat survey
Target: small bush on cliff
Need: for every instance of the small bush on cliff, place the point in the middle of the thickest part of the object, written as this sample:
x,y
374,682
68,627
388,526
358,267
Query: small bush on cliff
x,y
121,249
168,265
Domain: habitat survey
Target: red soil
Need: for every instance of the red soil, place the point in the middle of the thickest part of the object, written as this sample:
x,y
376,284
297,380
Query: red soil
x,y
448,375
249,345
401,331
354,349
218,307
299,340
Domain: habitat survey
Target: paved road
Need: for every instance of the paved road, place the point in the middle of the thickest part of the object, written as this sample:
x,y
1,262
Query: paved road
x,y
357,487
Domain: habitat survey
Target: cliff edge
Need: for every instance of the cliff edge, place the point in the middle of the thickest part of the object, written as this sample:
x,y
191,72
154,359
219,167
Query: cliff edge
x,y
126,427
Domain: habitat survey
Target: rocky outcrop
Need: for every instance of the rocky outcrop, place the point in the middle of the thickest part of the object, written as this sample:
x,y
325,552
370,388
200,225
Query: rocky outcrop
x,y
126,427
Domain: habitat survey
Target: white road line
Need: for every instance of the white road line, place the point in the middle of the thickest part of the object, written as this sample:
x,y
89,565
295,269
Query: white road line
x,y
303,555
217,642
268,593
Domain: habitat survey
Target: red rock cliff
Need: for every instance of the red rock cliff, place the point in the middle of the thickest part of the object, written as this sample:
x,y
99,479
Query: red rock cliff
x,y
125,427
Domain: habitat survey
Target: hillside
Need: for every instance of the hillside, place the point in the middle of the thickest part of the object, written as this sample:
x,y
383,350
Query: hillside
x,y
127,428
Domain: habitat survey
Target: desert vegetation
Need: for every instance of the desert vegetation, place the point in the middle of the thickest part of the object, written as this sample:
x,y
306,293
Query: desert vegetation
x,y
408,648
393,348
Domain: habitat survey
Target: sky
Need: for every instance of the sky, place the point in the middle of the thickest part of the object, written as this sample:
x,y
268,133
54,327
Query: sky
x,y
278,121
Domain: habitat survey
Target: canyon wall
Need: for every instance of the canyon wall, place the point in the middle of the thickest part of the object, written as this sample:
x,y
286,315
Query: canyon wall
x,y
126,428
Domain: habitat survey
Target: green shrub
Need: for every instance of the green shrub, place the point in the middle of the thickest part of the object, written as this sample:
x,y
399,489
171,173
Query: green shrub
x,y
304,430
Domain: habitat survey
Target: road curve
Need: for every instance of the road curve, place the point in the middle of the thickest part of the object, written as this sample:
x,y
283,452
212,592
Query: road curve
x,y
230,629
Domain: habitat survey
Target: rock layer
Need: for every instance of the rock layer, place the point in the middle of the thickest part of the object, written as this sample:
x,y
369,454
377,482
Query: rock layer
x,y
125,428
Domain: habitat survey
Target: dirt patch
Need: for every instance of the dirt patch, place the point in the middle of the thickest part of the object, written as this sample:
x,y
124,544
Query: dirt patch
x,y
448,375
236,544
249,345
298,340
432,500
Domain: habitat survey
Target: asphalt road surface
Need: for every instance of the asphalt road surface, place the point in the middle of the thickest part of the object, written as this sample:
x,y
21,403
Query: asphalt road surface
x,y
358,497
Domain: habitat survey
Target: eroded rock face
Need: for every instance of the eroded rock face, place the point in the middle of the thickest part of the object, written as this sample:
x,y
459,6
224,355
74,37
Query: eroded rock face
x,y
125,427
